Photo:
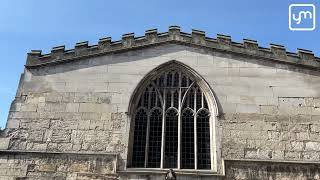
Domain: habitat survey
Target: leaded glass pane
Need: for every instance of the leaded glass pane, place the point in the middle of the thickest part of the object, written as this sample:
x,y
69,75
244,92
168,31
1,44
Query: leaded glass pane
x,y
176,99
184,81
139,145
153,96
169,79
176,80
171,139
187,140
168,99
199,99
155,135
146,99
203,140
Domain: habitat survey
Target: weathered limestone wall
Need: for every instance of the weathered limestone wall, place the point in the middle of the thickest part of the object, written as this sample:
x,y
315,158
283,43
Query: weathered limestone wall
x,y
268,110
266,170
40,166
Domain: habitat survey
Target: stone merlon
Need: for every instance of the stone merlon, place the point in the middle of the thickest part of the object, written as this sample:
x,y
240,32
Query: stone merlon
x,y
197,38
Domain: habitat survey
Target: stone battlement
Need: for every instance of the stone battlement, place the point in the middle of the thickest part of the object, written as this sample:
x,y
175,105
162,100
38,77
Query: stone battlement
x,y
197,38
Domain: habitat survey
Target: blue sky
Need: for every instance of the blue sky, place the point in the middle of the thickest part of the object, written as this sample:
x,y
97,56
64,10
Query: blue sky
x,y
38,24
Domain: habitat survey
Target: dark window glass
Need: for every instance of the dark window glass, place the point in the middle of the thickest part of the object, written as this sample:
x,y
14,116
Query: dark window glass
x,y
146,98
176,80
184,81
171,87
153,98
176,99
139,145
203,140
171,139
169,79
155,136
187,140
168,99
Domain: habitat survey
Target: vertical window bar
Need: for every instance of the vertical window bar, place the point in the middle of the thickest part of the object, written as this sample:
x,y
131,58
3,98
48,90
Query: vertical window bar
x,y
179,127
172,98
201,98
195,130
157,99
163,128
212,148
149,92
199,103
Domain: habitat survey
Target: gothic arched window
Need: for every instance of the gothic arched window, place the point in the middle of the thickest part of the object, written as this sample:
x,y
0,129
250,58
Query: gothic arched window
x,y
171,124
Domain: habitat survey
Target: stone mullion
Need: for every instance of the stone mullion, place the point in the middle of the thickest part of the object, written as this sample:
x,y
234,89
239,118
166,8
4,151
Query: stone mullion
x,y
163,127
212,148
195,131
202,101
179,123
148,128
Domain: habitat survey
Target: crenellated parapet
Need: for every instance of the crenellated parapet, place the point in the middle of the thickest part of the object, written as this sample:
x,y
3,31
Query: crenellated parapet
x,y
174,35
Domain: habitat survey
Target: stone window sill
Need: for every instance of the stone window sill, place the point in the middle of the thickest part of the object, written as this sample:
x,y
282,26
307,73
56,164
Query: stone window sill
x,y
164,171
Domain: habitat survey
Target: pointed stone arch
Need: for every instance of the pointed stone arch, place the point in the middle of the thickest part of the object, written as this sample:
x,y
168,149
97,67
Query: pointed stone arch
x,y
209,93
152,81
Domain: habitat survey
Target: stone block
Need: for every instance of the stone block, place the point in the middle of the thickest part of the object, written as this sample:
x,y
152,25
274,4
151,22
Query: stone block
x,y
55,107
4,143
23,115
314,111
292,155
258,72
64,147
63,124
78,167
47,168
36,146
35,135
92,107
138,70
13,123
310,156
28,107
83,124
229,107
91,115
72,107
274,136
35,123
312,146
96,125
247,108
266,109
60,135
294,92
295,146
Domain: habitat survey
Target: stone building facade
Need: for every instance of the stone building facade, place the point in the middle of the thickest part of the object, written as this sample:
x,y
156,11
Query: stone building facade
x,y
76,115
